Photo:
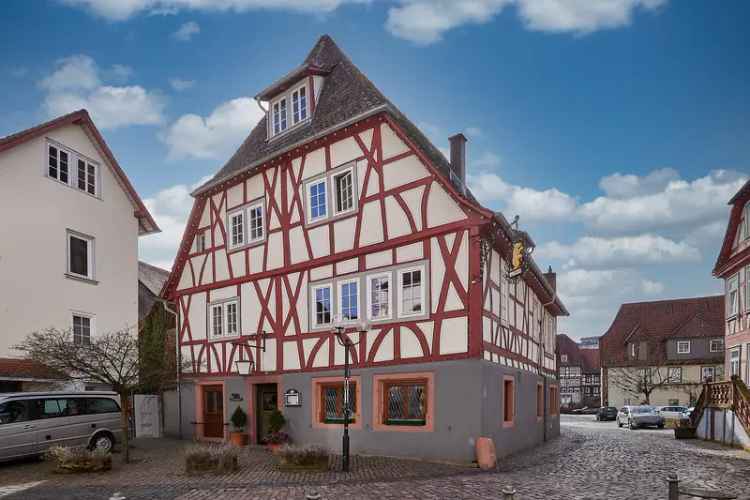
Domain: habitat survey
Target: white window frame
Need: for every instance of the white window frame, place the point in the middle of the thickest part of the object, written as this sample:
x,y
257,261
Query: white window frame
x,y
297,117
308,199
747,289
708,369
672,379
92,324
340,300
90,249
632,350
335,193
563,358
200,242
73,158
283,115
313,310
87,164
680,344
223,306
711,345
423,278
735,360
263,229
370,278
231,216
70,161
733,285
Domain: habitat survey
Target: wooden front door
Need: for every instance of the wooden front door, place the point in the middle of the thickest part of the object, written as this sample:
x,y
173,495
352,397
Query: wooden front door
x,y
213,411
266,402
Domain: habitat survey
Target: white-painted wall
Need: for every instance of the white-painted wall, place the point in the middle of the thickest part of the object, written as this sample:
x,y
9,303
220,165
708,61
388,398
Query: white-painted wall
x,y
36,212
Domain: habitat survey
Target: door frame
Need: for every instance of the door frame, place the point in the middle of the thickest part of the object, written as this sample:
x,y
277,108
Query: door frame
x,y
252,392
198,431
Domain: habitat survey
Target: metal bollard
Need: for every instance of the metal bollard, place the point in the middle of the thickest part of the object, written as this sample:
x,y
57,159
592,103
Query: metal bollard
x,y
314,495
509,493
674,487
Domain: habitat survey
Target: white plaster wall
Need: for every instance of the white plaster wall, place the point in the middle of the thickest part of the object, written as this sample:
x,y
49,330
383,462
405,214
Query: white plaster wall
x,y
37,210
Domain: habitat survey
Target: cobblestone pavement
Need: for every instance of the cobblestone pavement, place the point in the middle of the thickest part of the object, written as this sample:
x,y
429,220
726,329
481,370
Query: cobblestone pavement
x,y
591,460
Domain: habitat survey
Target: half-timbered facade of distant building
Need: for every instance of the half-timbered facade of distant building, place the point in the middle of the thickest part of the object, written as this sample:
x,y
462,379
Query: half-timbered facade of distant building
x,y
336,212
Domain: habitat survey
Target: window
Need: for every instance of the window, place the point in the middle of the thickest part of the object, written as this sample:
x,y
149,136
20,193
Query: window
x,y
80,255
554,400
333,402
317,198
101,405
279,116
732,295
716,345
12,412
349,300
200,242
379,296
539,401
632,350
745,223
86,177
734,361
58,164
683,347
563,358
255,217
411,292
82,326
343,186
224,318
707,374
674,375
237,228
405,403
299,105
321,305
508,401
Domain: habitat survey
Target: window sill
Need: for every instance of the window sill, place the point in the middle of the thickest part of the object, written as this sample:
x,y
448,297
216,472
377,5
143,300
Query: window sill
x,y
239,248
81,278
289,129
310,224
219,338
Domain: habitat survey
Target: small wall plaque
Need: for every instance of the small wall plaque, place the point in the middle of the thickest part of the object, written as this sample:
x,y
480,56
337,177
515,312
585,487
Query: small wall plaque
x,y
292,397
235,396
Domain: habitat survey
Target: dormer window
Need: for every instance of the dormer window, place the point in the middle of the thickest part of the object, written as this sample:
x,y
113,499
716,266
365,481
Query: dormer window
x,y
289,110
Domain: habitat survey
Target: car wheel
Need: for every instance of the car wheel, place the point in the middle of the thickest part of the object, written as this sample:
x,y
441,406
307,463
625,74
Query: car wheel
x,y
619,424
632,425
103,442
660,426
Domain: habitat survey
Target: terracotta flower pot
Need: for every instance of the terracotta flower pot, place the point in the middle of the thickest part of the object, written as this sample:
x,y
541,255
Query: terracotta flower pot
x,y
274,447
238,438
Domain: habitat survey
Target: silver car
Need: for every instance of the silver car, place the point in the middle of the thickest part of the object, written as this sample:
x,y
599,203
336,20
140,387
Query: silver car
x,y
639,416
32,422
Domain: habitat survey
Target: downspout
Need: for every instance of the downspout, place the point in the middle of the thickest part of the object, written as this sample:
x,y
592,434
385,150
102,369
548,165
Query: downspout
x,y
178,358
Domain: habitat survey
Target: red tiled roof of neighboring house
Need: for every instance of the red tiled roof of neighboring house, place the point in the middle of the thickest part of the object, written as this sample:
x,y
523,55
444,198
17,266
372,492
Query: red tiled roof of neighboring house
x,y
82,118
587,359
726,262
13,368
592,360
658,321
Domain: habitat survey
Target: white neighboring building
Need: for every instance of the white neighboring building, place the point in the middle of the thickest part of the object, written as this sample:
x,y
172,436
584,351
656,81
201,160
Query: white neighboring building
x,y
70,226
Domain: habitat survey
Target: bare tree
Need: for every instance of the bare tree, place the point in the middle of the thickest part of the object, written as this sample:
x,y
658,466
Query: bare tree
x,y
111,359
641,381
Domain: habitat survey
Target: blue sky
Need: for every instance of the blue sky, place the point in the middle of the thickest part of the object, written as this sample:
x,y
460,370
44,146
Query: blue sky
x,y
617,129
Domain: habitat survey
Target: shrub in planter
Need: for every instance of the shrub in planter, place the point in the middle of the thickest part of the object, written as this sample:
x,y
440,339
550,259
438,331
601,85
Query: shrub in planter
x,y
304,457
276,440
276,421
79,459
211,458
239,420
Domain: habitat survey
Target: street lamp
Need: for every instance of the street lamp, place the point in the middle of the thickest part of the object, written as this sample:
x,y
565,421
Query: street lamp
x,y
245,366
344,340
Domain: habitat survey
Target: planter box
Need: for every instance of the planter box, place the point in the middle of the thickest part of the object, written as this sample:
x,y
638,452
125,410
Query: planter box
x,y
321,466
684,433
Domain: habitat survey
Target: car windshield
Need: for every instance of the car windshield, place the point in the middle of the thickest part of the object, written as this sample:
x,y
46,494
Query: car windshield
x,y
643,409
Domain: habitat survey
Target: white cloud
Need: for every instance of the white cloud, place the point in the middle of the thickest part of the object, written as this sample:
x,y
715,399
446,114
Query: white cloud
x,y
652,287
215,136
424,21
620,185
76,83
680,203
486,160
473,132
186,32
581,16
120,72
593,251
529,203
120,10
179,84
170,207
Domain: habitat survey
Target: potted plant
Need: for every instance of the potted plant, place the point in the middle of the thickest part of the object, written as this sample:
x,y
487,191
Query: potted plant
x,y
239,421
275,438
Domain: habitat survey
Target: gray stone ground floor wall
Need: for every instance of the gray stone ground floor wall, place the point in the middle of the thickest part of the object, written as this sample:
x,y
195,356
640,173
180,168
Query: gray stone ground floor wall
x,y
467,405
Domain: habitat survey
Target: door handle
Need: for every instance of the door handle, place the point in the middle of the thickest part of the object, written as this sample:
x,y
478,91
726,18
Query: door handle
x,y
28,426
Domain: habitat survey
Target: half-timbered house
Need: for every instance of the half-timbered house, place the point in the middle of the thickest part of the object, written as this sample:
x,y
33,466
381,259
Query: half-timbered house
x,y
336,211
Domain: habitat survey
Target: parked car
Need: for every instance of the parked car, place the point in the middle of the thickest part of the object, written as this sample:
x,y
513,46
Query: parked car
x,y
639,416
671,412
32,422
606,413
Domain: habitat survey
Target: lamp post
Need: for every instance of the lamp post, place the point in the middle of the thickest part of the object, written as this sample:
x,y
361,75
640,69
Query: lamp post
x,y
345,341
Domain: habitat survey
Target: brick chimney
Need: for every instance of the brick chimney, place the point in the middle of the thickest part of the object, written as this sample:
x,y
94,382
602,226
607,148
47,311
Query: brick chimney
x,y
458,157
551,278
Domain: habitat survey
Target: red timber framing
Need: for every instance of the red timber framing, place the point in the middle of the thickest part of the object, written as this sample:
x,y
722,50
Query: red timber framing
x,y
450,300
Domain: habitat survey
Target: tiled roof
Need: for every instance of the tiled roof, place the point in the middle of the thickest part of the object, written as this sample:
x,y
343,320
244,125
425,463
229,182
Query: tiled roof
x,y
27,369
656,322
587,359
81,117
151,280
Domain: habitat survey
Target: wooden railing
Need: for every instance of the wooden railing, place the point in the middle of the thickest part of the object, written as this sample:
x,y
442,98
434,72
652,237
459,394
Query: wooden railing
x,y
731,395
